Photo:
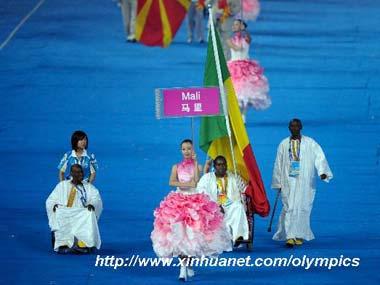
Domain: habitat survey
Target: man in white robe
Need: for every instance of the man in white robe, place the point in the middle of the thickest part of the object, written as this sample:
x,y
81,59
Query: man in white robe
x,y
73,210
299,159
226,189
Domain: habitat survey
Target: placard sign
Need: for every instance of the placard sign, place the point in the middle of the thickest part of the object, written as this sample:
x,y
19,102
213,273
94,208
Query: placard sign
x,y
188,102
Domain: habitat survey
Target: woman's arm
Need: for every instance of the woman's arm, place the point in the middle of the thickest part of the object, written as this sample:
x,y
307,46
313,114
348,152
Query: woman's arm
x,y
200,169
93,168
61,175
248,38
207,166
92,177
233,46
62,167
197,169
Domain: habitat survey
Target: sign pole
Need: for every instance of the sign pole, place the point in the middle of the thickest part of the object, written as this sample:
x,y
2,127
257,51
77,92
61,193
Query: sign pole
x,y
192,129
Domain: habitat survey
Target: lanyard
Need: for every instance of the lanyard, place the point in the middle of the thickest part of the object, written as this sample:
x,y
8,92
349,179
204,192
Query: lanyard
x,y
83,194
294,150
222,184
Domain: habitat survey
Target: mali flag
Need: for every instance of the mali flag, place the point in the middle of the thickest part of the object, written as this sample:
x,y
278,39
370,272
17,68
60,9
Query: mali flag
x,y
214,137
157,21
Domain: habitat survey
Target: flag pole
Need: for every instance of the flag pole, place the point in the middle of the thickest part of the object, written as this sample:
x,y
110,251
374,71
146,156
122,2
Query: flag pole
x,y
221,86
192,129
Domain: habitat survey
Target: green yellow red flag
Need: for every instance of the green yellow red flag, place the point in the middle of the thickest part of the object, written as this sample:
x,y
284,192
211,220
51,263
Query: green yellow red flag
x,y
214,138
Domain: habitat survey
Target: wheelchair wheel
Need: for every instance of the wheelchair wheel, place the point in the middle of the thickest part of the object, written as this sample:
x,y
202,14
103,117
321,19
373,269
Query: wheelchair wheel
x,y
52,240
249,246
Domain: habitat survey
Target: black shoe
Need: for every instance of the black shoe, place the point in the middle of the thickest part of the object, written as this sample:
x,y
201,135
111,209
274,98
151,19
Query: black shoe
x,y
64,249
81,250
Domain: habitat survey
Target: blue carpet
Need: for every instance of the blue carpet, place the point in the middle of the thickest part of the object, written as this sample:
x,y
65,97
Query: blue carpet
x,y
69,68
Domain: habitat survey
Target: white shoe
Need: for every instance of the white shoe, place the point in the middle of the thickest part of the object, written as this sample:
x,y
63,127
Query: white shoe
x,y
243,116
190,272
183,273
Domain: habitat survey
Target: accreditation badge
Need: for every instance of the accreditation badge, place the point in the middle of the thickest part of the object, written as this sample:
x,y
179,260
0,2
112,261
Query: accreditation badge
x,y
294,169
223,200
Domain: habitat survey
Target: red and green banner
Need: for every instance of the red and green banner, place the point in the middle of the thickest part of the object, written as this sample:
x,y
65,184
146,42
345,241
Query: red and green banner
x,y
214,138
157,21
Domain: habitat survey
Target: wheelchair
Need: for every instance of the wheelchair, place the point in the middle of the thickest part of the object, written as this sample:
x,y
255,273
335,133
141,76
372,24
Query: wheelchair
x,y
251,222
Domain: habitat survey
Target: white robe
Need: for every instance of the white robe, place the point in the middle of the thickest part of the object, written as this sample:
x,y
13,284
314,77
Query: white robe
x,y
78,222
234,214
298,193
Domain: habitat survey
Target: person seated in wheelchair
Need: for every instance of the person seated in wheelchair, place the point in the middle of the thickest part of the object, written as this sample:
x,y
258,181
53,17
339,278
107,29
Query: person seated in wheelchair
x,y
227,188
73,210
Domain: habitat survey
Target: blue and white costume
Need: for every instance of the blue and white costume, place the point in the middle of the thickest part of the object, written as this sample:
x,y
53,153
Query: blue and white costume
x,y
88,163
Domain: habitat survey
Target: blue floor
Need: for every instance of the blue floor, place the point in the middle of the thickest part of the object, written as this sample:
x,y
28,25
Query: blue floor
x,y
69,68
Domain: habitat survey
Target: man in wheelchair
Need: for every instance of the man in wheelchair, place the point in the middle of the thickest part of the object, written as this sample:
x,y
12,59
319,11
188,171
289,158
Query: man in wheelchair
x,y
73,210
226,188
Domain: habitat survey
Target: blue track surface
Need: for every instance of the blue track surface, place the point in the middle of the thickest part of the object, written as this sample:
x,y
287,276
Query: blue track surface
x,y
69,68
